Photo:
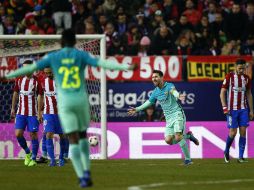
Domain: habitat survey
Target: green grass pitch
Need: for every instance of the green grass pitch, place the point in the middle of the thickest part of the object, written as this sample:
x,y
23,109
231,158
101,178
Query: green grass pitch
x,y
206,174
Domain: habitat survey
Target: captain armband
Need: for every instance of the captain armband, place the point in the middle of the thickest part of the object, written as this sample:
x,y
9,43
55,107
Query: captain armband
x,y
175,94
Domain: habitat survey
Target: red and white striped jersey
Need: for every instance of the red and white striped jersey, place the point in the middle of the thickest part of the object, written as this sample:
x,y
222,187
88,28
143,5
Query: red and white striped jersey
x,y
28,89
50,101
236,86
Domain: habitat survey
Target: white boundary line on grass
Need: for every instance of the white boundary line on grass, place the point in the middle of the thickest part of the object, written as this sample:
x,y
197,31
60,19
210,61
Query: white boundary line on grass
x,y
181,183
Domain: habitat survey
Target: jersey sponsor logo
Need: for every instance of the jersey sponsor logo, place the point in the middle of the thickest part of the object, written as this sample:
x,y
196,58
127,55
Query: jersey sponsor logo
x,y
239,89
26,93
50,93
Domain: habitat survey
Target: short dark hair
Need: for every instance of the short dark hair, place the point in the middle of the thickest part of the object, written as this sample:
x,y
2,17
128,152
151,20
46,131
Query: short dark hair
x,y
240,62
158,72
68,38
28,62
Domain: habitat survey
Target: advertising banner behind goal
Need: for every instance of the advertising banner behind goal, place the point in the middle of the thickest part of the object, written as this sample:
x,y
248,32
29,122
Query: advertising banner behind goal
x,y
171,66
213,68
144,140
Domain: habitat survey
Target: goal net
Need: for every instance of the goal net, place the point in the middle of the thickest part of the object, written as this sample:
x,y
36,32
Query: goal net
x,y
15,49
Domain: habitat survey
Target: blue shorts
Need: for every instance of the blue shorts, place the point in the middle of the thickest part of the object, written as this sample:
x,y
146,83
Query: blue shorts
x,y
238,118
51,123
30,121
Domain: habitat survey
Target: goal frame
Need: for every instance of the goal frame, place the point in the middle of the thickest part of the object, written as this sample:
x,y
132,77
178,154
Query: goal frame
x,y
103,82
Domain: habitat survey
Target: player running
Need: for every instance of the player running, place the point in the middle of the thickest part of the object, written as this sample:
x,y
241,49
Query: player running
x,y
167,96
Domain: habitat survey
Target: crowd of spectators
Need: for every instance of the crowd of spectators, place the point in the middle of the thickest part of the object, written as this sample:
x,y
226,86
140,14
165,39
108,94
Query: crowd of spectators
x,y
143,27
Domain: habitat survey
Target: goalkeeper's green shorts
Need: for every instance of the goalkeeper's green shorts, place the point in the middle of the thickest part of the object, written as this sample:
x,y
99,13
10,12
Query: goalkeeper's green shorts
x,y
74,117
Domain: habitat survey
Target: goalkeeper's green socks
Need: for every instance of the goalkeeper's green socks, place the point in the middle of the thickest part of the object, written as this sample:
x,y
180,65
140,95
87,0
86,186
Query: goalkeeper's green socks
x,y
84,154
185,149
76,160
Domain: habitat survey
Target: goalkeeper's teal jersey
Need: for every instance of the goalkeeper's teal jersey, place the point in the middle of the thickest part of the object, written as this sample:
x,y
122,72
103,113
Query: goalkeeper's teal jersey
x,y
171,108
68,65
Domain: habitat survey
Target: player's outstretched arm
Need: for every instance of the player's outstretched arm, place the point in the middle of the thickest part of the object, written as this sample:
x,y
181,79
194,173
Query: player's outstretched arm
x,y
22,71
132,110
106,64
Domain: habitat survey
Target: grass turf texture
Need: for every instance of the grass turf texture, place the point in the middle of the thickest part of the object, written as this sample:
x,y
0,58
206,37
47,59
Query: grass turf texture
x,y
132,175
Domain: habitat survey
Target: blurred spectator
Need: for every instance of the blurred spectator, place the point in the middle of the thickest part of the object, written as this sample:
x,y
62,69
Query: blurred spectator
x,y
250,19
191,13
150,114
231,48
170,10
102,21
2,13
133,39
162,41
217,27
211,11
183,46
122,25
62,14
235,23
33,3
109,7
39,12
158,20
142,23
46,26
110,33
144,48
147,8
181,25
247,48
80,14
9,25
117,47
17,8
89,28
201,26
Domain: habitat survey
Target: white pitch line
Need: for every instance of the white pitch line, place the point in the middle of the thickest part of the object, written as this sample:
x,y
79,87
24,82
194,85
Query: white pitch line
x,y
181,183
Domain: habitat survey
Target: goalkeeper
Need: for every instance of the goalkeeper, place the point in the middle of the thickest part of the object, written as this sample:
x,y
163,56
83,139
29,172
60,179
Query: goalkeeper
x,y
68,65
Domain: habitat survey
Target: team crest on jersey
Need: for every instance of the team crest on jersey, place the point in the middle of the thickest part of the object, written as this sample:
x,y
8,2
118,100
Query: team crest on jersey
x,y
166,93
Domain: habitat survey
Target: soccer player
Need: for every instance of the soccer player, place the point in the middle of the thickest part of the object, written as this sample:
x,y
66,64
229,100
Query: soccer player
x,y
26,89
168,97
51,121
237,85
68,65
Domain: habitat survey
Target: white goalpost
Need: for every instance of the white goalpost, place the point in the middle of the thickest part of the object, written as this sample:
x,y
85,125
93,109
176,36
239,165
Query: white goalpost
x,y
18,47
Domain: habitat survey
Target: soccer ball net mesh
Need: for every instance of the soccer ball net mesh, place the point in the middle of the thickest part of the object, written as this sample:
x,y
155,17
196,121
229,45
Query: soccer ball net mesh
x,y
12,55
